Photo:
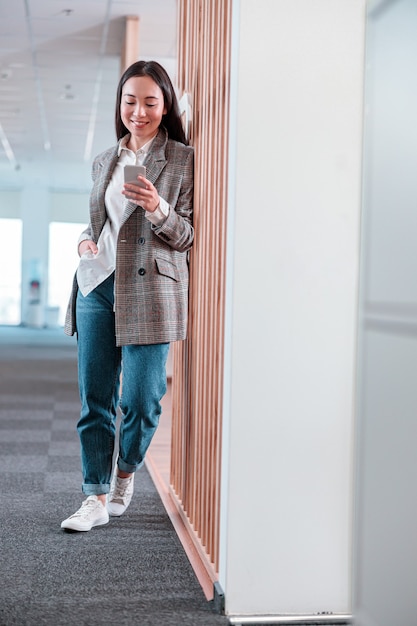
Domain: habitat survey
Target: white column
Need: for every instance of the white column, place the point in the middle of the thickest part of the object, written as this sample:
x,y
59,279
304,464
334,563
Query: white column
x,y
295,195
34,211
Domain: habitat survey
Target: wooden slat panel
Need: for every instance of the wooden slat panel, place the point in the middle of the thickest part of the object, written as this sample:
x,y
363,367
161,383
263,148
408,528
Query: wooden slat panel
x,y
204,64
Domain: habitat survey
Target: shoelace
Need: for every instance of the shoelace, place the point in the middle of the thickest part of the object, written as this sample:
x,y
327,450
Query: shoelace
x,y
85,508
119,491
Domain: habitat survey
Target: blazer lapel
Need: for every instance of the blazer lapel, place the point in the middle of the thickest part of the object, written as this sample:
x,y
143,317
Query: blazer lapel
x,y
98,208
108,166
156,159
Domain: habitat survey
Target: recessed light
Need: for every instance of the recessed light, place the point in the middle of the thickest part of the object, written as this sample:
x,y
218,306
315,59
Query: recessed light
x,y
67,94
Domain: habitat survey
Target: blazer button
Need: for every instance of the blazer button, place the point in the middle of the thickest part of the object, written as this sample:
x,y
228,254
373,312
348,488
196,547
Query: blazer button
x,y
141,240
141,271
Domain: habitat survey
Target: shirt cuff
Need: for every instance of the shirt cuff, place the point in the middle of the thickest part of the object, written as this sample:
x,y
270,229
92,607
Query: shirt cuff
x,y
84,237
160,214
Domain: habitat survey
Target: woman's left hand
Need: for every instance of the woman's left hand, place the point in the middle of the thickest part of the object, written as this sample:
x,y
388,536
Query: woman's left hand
x,y
147,196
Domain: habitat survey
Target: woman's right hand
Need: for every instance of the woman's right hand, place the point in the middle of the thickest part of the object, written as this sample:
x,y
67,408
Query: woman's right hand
x,y
87,245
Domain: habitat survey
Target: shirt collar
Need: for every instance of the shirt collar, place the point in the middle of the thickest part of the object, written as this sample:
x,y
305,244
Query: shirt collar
x,y
123,145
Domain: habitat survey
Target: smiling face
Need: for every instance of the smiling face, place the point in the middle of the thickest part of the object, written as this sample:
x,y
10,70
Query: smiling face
x,y
141,109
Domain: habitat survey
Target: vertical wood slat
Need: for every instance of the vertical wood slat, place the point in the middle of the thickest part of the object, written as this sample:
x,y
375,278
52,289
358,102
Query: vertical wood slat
x,y
204,63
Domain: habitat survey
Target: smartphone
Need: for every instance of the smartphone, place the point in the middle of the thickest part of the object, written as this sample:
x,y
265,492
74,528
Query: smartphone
x,y
132,172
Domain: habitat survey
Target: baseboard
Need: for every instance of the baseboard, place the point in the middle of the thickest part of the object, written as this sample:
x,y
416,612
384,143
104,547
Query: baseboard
x,y
218,598
201,566
318,619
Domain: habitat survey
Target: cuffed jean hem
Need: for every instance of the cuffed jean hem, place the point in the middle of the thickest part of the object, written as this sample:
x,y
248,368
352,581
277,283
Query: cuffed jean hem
x,y
125,467
95,490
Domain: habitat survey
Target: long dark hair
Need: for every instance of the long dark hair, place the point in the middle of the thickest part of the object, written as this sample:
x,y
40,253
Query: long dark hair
x,y
172,119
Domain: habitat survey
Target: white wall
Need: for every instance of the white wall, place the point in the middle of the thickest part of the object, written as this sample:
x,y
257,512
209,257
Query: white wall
x,y
294,206
9,204
63,206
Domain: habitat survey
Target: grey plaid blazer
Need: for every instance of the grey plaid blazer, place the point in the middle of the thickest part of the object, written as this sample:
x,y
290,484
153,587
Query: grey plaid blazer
x,y
151,276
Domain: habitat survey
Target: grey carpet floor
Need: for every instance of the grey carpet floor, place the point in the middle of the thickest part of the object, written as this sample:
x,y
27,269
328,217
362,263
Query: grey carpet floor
x,y
131,571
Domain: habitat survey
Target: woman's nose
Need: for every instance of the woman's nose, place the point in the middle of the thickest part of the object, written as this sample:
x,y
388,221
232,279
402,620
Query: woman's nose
x,y
140,110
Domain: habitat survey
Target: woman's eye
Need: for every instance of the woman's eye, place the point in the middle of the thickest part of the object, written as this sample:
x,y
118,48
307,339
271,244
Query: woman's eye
x,y
129,102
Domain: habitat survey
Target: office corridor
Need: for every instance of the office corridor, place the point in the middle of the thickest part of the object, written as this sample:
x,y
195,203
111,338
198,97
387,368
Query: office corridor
x,y
133,570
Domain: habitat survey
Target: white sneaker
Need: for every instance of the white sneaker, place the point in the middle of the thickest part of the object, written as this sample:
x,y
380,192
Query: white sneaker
x,y
91,513
121,492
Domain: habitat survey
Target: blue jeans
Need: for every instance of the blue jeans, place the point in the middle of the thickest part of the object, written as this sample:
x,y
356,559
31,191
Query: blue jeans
x,y
100,363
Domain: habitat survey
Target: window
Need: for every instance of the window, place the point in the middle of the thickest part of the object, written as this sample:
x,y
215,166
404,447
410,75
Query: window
x,y
63,262
10,280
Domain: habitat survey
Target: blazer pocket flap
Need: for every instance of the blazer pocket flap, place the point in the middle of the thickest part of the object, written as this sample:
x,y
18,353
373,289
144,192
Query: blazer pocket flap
x,y
167,268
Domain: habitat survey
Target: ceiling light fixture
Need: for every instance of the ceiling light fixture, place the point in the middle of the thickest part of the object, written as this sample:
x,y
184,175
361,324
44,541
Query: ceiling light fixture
x,y
8,149
67,94
97,86
38,83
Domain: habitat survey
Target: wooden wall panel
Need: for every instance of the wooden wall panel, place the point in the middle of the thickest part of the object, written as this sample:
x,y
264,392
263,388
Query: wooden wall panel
x,y
204,67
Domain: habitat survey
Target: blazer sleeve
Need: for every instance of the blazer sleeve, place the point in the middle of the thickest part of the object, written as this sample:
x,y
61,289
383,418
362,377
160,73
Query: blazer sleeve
x,y
177,230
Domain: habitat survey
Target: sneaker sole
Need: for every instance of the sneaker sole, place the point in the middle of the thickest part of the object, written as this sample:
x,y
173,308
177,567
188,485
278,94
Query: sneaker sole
x,y
115,513
82,529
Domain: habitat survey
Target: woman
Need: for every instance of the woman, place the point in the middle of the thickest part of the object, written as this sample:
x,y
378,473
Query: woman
x,y
130,295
